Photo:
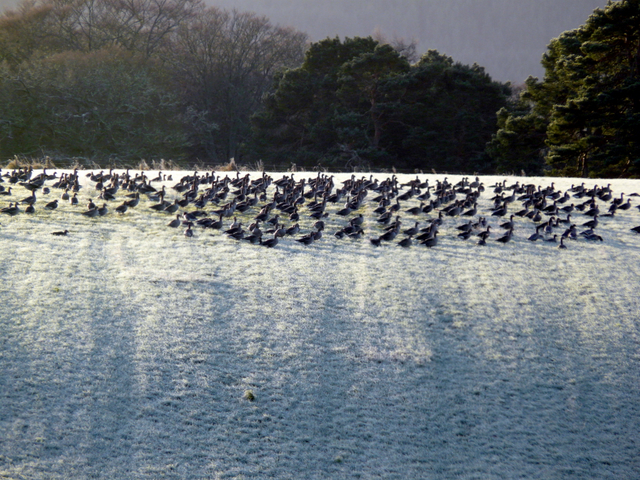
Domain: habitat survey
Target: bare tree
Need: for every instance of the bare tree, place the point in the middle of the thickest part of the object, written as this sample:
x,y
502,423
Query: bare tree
x,y
89,25
225,62
407,49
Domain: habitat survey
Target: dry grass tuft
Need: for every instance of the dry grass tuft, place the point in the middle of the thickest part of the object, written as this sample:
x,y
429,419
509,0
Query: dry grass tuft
x,y
25,162
228,167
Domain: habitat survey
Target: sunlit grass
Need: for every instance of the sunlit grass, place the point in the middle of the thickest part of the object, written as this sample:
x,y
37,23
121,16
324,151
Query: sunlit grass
x,y
128,351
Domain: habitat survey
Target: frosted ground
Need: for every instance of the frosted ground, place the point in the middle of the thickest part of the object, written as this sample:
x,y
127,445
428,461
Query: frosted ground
x,y
127,350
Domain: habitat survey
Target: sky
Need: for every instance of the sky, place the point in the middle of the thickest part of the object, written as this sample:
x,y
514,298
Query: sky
x,y
507,37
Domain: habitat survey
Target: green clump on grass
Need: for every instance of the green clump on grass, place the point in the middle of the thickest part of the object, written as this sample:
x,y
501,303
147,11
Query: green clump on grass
x,y
248,395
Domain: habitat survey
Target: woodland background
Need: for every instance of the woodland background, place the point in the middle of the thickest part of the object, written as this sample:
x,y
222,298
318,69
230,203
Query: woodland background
x,y
116,81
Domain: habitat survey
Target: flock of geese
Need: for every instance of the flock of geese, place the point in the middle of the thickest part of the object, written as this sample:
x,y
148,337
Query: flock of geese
x,y
264,211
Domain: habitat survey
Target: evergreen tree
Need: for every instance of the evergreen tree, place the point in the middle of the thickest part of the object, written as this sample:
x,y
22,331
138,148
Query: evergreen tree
x,y
519,144
446,115
304,121
587,105
360,103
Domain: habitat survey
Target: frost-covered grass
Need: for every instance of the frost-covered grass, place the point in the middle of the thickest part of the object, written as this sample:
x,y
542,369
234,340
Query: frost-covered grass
x,y
127,351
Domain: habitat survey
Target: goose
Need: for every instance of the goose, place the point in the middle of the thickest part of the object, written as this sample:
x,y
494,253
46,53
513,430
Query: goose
x,y
485,234
396,206
405,242
280,231
344,211
432,241
568,208
319,214
465,227
625,206
357,220
273,220
159,206
270,243
30,200
508,225
570,232
428,208
566,221
51,205
306,240
506,237
92,212
549,225
235,228
293,230
465,235
134,201
415,210
238,235
454,211
592,223
412,231
564,198
235,223
357,234
121,209
254,238
593,237
536,236
437,221
500,211
523,212
11,210
175,223
105,194
472,211
385,218
536,217
216,224
172,207
592,212
388,236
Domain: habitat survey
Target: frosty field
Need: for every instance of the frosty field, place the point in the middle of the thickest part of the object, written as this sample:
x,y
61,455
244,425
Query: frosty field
x,y
127,350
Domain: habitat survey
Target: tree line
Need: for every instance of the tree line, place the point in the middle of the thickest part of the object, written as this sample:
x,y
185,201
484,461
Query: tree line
x,y
133,79
583,118
118,80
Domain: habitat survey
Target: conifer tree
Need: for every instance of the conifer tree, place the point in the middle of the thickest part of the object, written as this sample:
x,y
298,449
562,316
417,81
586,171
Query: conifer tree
x,y
587,104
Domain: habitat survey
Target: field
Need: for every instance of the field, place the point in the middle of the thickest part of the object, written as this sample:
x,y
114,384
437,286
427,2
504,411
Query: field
x,y
128,350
